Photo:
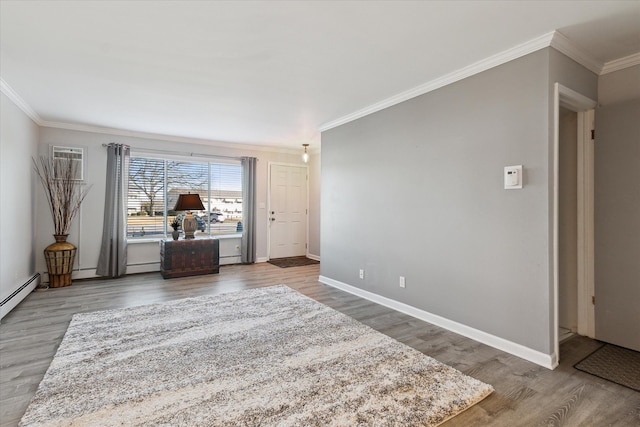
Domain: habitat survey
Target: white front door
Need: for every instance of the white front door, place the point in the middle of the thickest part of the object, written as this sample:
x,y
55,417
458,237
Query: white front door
x,y
288,211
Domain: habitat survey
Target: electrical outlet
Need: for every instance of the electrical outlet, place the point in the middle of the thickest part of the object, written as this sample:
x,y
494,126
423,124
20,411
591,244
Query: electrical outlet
x,y
403,283
361,273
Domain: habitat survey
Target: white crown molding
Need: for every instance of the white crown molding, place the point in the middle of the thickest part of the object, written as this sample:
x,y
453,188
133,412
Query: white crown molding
x,y
549,361
468,71
554,39
562,44
621,63
170,138
20,103
26,108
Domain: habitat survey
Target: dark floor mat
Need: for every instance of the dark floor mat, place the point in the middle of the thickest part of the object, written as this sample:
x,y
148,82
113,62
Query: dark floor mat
x,y
615,364
296,261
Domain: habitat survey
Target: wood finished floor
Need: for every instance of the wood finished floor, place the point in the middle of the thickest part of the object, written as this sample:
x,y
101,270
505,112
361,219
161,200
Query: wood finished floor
x,y
525,394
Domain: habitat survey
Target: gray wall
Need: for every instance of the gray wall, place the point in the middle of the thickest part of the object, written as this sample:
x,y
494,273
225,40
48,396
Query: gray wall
x,y
617,209
417,190
314,205
18,143
619,86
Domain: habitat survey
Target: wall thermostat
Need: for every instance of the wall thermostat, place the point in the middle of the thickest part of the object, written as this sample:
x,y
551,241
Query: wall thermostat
x,y
513,177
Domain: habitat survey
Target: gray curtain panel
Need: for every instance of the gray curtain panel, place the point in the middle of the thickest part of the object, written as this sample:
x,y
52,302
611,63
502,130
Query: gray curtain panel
x,y
248,248
113,252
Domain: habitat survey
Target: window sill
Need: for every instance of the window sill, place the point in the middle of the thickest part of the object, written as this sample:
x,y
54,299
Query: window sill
x,y
139,241
159,239
228,236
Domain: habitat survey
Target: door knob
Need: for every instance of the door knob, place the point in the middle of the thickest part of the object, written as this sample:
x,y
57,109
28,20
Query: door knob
x,y
273,219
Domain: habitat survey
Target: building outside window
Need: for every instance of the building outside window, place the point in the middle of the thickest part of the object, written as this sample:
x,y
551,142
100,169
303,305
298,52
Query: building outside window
x,y
154,187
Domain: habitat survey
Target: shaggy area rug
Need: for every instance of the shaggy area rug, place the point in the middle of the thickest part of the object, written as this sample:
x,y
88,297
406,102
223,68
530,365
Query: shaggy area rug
x,y
260,357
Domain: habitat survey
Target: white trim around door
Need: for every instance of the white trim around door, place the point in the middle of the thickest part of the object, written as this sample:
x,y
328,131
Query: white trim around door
x,y
574,101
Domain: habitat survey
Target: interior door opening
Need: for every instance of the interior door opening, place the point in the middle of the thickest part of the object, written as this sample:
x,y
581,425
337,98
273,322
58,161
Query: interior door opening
x,y
572,248
568,225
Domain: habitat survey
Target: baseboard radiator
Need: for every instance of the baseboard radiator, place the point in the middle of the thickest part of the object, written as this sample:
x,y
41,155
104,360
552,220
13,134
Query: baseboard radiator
x,y
14,299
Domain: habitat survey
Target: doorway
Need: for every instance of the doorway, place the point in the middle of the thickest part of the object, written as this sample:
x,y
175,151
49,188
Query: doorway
x,y
576,278
568,224
288,210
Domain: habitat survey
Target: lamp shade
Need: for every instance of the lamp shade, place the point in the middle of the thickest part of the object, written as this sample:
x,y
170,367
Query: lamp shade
x,y
189,202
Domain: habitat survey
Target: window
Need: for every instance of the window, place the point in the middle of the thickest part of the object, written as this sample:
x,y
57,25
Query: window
x,y
154,187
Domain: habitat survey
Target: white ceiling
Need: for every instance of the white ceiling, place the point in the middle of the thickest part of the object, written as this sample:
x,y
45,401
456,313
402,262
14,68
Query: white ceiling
x,y
267,73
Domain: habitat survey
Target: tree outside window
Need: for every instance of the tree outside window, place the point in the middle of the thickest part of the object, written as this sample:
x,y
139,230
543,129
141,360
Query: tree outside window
x,y
154,186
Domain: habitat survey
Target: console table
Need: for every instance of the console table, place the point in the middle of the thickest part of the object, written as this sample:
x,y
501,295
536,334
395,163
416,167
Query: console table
x,y
179,258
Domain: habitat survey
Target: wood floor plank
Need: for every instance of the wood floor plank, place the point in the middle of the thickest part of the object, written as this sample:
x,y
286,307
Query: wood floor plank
x,y
525,394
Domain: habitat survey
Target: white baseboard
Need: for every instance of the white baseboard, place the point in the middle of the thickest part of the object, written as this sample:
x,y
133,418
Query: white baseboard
x,y
21,293
230,260
148,267
90,273
549,361
264,259
151,267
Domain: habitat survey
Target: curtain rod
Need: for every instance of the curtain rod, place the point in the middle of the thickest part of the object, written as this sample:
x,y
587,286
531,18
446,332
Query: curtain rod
x,y
179,153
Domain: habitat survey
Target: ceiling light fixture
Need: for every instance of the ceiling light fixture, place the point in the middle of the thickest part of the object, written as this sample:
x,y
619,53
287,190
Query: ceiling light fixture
x,y
305,155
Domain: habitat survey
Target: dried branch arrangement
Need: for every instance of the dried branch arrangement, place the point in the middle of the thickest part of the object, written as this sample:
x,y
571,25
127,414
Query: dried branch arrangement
x,y
64,193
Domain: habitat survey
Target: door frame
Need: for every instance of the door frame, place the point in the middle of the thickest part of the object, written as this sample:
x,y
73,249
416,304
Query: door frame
x,y
297,165
584,107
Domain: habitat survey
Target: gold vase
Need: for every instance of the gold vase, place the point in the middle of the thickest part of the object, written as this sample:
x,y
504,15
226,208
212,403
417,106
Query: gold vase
x,y
59,257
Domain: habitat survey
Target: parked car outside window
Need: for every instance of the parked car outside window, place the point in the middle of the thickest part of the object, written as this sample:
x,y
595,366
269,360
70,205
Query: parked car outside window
x,y
216,217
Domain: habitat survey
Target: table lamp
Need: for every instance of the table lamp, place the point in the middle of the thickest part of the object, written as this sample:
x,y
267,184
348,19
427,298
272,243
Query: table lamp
x,y
189,202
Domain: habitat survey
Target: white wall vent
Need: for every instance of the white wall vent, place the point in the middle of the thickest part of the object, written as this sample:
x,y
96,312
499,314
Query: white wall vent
x,y
75,154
